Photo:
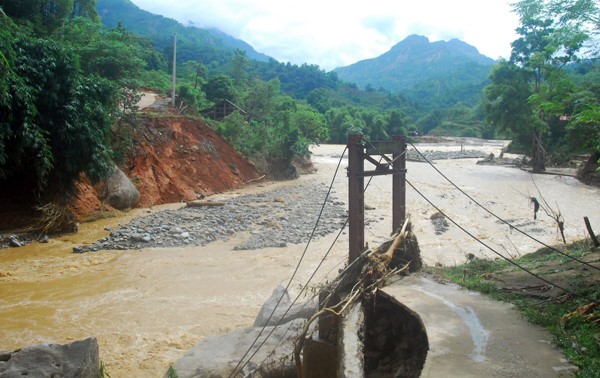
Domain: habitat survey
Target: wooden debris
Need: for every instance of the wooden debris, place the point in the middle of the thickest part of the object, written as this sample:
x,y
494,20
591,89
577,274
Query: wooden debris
x,y
586,311
591,232
371,270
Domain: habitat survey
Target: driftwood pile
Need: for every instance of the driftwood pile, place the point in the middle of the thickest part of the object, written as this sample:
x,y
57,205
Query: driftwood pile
x,y
359,282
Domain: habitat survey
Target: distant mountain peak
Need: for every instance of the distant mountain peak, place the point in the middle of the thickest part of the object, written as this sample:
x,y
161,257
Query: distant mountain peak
x,y
415,38
415,60
454,45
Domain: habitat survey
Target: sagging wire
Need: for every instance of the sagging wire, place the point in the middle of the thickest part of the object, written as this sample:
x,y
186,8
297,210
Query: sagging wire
x,y
512,227
487,246
237,369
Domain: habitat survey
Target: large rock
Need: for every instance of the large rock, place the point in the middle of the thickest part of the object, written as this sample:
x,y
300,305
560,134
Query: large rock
x,y
119,192
76,360
218,356
298,310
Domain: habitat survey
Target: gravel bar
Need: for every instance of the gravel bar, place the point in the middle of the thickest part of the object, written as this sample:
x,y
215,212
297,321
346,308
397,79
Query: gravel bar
x,y
413,155
272,219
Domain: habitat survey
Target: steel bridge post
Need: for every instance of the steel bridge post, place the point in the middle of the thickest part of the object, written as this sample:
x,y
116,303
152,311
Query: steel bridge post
x,y
356,199
399,184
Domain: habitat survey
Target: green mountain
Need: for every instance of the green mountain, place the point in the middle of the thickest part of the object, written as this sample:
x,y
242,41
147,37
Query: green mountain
x,y
438,74
209,46
430,84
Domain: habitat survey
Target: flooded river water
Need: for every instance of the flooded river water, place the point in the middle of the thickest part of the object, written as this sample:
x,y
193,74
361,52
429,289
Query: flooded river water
x,y
147,307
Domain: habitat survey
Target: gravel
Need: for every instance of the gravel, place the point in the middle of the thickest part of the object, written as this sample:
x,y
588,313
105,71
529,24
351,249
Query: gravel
x,y
413,155
271,219
16,241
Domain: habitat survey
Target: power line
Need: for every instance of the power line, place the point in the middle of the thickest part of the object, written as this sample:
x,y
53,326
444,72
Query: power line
x,y
499,218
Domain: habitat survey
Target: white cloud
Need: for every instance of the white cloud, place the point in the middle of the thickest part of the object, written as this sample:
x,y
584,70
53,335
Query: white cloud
x,y
334,33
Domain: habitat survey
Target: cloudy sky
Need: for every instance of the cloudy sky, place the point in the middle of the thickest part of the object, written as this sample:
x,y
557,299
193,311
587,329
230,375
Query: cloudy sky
x,y
333,33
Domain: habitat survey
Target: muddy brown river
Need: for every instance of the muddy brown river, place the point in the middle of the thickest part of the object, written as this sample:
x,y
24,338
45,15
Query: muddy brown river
x,y
147,307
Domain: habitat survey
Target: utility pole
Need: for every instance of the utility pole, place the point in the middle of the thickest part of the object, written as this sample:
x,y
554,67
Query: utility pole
x,y
174,65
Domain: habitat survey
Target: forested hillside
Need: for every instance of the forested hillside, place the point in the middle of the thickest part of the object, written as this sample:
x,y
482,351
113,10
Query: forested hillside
x,y
209,46
69,84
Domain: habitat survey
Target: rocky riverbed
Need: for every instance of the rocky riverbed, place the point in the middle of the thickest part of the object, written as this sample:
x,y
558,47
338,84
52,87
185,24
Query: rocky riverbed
x,y
413,155
199,226
271,219
148,308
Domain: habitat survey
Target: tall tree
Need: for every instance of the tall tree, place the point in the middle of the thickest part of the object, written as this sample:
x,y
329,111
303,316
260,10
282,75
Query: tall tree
x,y
54,121
46,16
311,123
239,69
219,88
506,102
258,98
543,48
584,14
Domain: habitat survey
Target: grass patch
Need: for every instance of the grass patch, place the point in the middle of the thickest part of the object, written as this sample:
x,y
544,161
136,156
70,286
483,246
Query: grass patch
x,y
573,320
102,373
172,373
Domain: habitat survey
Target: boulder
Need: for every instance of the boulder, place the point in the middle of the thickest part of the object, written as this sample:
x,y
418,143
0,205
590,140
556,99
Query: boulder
x,y
119,192
14,242
298,310
79,359
218,356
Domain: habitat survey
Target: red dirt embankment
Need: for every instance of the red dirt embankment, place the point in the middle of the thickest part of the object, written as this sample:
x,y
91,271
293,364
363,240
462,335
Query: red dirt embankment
x,y
178,159
174,159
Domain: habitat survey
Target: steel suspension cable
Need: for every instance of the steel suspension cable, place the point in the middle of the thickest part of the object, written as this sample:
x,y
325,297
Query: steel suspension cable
x,y
311,277
237,368
499,218
487,246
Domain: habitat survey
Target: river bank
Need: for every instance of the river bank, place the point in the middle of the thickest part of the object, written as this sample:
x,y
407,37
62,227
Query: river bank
x,y
272,219
148,306
191,226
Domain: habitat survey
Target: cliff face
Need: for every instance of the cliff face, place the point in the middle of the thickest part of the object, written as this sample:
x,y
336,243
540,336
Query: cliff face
x,y
175,159
179,159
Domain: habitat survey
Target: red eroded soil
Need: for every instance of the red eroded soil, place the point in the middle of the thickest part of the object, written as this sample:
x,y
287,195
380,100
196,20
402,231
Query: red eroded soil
x,y
177,159
174,159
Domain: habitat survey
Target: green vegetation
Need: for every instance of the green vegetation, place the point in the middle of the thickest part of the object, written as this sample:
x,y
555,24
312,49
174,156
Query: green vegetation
x,y
534,97
70,83
103,373
54,119
171,372
574,321
211,47
441,96
66,81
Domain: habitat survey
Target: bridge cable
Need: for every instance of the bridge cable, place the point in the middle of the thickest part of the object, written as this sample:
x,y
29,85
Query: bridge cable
x,y
237,370
490,248
308,281
499,218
